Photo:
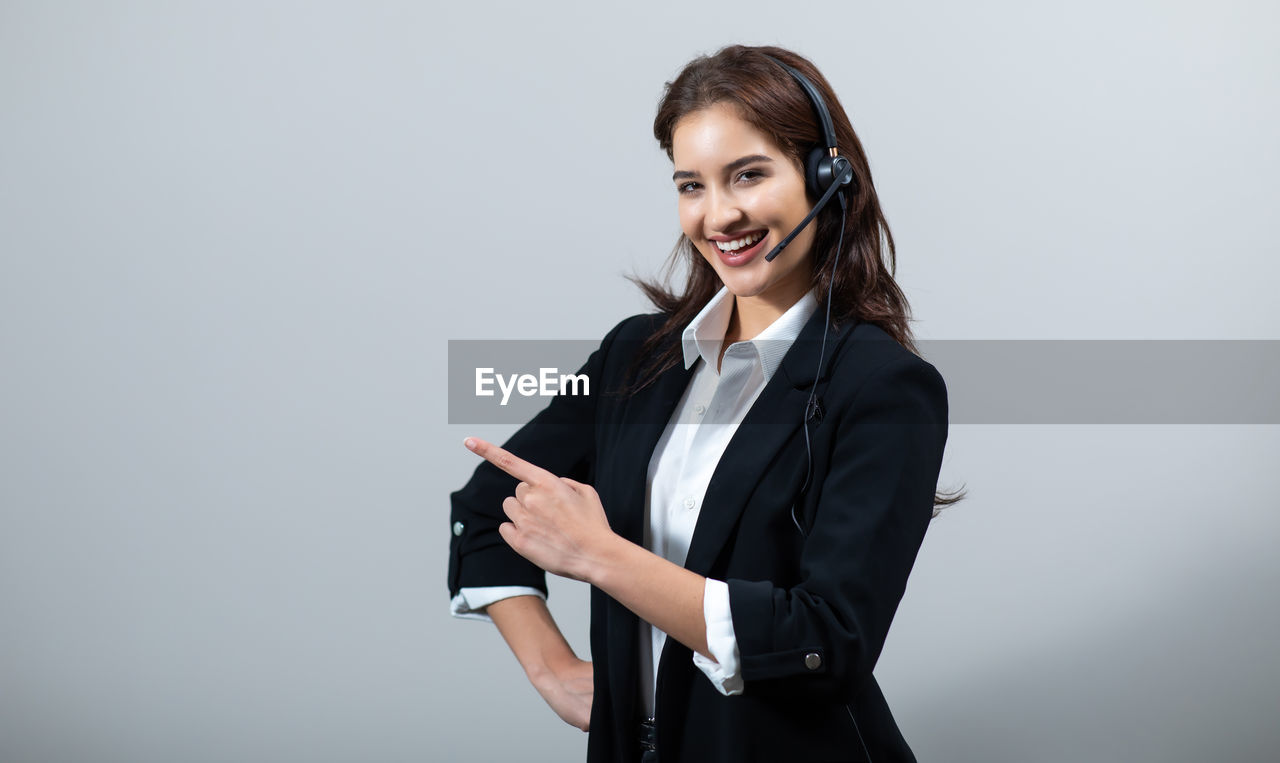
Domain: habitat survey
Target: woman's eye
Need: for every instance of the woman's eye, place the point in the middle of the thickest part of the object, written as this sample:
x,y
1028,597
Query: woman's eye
x,y
746,175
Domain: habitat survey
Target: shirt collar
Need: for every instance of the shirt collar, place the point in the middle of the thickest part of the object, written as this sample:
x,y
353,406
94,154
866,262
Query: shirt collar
x,y
704,335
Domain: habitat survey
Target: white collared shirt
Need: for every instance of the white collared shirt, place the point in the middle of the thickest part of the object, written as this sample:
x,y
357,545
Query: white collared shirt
x,y
713,405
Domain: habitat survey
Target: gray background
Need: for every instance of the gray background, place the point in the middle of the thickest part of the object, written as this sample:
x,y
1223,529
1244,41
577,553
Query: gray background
x,y
236,238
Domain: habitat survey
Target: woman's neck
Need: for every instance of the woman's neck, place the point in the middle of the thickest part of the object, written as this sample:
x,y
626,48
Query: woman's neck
x,y
752,315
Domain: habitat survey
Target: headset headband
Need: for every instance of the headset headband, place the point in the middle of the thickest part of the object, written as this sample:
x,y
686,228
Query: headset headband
x,y
819,106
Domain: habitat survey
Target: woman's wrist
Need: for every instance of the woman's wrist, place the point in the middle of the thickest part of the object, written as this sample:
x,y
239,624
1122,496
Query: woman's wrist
x,y
605,559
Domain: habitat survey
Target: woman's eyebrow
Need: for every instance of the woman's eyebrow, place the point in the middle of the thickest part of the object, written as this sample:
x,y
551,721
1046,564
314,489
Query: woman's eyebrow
x,y
730,167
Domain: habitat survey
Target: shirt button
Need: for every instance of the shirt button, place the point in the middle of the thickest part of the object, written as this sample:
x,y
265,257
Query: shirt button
x,y
458,527
813,660
689,502
700,409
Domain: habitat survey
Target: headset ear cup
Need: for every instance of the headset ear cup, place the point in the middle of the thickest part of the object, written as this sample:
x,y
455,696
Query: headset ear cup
x,y
817,174
822,169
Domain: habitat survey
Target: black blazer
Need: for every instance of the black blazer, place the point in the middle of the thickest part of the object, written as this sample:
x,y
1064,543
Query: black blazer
x,y
810,611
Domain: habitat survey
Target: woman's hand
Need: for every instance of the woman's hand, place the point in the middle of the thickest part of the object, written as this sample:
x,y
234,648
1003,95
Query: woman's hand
x,y
555,522
568,688
562,679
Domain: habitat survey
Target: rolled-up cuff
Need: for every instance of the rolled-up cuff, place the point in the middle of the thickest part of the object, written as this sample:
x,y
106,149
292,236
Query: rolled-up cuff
x,y
724,671
470,602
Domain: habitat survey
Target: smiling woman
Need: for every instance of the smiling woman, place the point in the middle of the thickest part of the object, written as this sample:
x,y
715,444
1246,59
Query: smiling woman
x,y
749,482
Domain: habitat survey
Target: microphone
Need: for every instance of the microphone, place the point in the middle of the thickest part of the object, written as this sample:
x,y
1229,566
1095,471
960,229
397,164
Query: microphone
x,y
845,176
814,411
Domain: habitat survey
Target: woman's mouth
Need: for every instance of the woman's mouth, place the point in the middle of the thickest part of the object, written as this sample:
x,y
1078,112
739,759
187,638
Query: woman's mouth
x,y
746,251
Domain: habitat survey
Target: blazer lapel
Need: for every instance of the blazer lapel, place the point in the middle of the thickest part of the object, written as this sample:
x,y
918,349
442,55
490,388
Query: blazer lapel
x,y
773,419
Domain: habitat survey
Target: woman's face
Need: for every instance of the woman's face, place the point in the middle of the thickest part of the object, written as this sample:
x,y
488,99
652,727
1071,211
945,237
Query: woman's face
x,y
733,182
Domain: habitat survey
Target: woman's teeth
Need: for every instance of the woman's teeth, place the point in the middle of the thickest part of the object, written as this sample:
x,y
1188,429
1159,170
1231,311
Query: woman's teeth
x,y
733,246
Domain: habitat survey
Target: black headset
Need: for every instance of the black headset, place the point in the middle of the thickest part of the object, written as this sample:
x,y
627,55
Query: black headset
x,y
826,172
826,175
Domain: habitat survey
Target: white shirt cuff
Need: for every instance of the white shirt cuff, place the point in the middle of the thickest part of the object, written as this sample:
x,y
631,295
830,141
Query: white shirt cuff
x,y
470,602
724,671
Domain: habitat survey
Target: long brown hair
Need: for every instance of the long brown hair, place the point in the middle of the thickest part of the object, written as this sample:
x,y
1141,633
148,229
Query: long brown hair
x,y
767,97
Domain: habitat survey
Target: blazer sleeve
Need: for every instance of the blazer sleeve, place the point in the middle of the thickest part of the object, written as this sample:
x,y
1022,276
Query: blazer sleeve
x,y
822,636
561,439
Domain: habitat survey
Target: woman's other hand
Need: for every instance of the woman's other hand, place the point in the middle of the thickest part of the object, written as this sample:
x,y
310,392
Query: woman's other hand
x,y
568,688
564,681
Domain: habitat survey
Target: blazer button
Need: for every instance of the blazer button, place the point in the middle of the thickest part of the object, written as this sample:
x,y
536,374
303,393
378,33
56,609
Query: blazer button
x,y
813,660
458,527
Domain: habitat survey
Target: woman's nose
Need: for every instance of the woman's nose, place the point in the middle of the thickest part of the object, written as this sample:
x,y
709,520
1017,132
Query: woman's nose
x,y
723,211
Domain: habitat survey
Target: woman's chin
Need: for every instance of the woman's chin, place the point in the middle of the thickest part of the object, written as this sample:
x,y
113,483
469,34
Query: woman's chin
x,y
742,287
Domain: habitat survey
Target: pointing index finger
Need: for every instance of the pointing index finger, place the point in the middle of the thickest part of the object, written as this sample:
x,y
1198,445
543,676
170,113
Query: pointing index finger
x,y
507,461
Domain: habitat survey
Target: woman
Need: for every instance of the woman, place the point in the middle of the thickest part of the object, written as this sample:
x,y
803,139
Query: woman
x,y
748,490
